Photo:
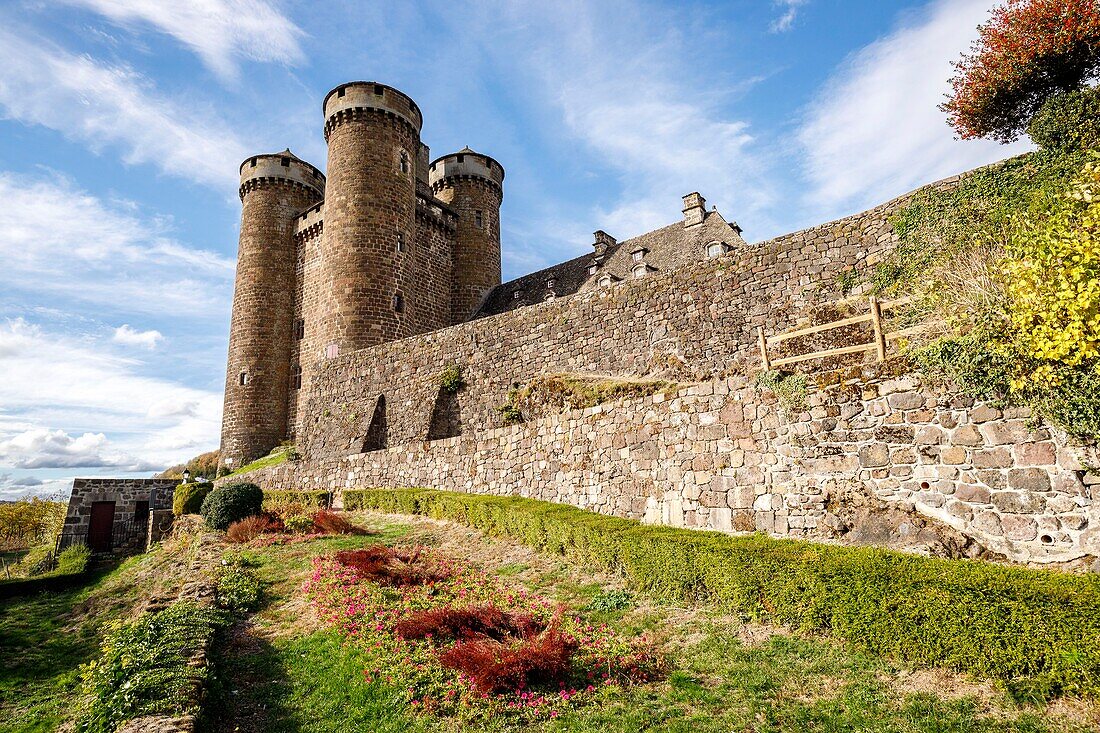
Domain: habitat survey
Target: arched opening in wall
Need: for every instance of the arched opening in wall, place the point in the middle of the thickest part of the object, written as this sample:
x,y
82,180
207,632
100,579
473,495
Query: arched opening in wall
x,y
446,421
376,432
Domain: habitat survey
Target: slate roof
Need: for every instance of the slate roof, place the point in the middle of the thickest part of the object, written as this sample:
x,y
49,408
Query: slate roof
x,y
664,249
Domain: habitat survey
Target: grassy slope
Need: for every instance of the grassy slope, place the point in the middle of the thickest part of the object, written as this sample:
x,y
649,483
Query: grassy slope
x,y
286,673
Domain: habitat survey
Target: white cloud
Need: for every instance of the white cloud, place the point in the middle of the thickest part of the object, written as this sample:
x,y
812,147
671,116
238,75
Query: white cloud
x,y
128,336
101,106
790,10
220,31
56,387
875,130
12,488
59,241
45,448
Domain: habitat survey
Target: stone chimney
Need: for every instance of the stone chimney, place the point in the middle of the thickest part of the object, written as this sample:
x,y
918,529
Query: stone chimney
x,y
695,209
603,242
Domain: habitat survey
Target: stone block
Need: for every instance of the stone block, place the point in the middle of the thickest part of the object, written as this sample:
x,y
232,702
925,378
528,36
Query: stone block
x,y
1015,502
741,497
906,400
930,435
972,494
1036,454
988,522
872,456
1016,527
1000,457
894,434
967,435
984,413
1029,479
953,456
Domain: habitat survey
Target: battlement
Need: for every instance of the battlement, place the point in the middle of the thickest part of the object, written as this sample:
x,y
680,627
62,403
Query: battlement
x,y
346,99
310,222
465,164
284,166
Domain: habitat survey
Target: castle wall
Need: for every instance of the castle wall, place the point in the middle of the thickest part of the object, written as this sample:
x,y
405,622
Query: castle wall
x,y
722,455
694,322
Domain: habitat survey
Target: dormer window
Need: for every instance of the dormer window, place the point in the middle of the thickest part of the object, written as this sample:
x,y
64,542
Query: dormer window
x,y
550,283
639,271
549,296
639,254
593,268
517,294
605,281
716,249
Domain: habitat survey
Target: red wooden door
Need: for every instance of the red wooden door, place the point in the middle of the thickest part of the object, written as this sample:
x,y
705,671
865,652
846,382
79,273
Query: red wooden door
x,y
100,526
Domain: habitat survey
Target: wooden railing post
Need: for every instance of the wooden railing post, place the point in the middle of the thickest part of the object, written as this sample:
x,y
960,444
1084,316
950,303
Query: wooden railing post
x,y
876,322
763,348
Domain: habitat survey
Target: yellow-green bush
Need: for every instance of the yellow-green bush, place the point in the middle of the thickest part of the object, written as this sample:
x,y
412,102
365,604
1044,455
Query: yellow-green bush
x,y
1037,631
188,498
29,522
276,498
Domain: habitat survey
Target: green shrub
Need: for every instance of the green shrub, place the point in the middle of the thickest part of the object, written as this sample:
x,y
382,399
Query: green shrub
x,y
145,667
73,560
231,503
791,389
1069,121
274,499
451,379
237,589
188,498
1037,631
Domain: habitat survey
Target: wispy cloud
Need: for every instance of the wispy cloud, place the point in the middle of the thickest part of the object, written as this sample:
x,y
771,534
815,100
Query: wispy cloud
x,y
63,396
105,106
60,241
221,32
129,336
789,10
875,130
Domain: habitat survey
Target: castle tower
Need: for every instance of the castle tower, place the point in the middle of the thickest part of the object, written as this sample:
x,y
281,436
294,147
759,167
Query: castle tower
x,y
373,134
274,190
472,184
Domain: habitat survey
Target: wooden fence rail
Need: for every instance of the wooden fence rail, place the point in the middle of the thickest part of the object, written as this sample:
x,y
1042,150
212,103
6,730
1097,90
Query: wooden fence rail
x,y
874,317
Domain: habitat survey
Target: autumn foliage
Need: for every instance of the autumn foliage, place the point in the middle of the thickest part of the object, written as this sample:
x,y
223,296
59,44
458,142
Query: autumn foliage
x,y
250,528
496,666
391,567
1028,51
470,622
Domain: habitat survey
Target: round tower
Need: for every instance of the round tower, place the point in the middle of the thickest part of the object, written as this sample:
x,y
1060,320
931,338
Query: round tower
x,y
473,185
373,134
274,189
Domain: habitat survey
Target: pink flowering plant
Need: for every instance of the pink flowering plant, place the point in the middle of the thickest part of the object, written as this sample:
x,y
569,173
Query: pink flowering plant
x,y
460,642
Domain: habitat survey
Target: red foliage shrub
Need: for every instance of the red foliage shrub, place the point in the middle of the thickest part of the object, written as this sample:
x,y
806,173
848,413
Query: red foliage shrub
x,y
330,522
390,566
494,666
1026,52
468,623
250,528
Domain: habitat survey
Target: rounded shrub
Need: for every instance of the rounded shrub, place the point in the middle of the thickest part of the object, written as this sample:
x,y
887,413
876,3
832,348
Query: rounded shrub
x,y
188,498
231,503
1069,121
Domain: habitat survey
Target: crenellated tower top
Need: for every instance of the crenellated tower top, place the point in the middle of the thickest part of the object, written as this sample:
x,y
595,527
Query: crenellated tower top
x,y
283,167
348,101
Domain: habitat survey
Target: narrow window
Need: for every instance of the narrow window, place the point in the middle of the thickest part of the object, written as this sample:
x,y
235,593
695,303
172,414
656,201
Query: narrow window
x,y
378,90
479,220
300,329
296,377
404,162
517,294
252,163
242,379
461,158
285,162
592,269
399,303
340,92
332,351
401,241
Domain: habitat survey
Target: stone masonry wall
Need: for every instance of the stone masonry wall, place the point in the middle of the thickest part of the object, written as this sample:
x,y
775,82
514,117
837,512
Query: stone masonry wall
x,y
124,492
723,456
694,322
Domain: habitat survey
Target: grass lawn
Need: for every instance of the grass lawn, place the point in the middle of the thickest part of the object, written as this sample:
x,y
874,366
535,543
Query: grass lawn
x,y
284,670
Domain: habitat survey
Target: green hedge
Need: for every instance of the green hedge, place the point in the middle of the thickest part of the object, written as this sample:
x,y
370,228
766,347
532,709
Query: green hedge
x,y
319,499
71,566
188,498
1038,631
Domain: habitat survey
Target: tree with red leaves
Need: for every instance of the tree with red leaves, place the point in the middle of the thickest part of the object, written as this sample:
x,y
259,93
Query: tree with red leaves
x,y
1026,52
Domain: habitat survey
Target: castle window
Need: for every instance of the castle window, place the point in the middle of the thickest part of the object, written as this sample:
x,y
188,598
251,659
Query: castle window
x,y
551,282
285,162
715,249
378,90
479,220
461,158
332,351
517,294
639,271
296,376
300,329
549,296
401,241
639,254
340,92
592,269
398,303
242,379
404,162
605,281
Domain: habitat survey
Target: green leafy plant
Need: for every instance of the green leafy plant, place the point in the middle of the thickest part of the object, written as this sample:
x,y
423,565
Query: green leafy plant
x,y
1037,631
612,600
790,389
231,503
451,379
237,589
188,498
145,667
317,499
510,411
1068,122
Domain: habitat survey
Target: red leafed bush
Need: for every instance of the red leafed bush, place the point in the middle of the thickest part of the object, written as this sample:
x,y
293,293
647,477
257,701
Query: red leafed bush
x,y
250,528
494,666
330,522
389,566
468,623
1028,51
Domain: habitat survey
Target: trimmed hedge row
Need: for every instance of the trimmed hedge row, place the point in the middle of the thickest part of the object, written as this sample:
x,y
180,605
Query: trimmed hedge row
x,y
274,498
1038,631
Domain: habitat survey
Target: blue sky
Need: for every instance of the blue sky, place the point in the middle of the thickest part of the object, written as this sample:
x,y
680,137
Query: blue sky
x,y
122,123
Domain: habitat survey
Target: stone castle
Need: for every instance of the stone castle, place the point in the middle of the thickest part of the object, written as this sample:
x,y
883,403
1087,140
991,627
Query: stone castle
x,y
389,246
356,294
